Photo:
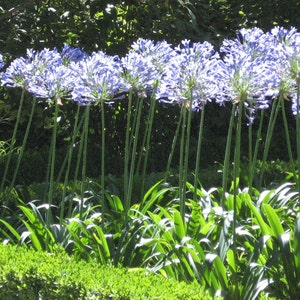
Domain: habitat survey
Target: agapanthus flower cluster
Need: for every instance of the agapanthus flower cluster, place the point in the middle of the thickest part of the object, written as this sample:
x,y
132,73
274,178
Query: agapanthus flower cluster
x,y
1,61
254,68
96,78
285,54
189,75
41,73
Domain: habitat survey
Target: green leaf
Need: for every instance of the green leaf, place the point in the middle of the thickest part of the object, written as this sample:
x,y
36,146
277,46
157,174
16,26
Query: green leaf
x,y
115,203
288,260
273,219
179,225
231,261
296,243
196,220
265,229
101,240
41,236
11,229
218,270
153,197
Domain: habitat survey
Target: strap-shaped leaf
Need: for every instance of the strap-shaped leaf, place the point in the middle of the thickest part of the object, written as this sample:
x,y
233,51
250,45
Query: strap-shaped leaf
x,y
297,244
196,220
218,269
265,229
274,220
11,229
231,261
288,262
179,225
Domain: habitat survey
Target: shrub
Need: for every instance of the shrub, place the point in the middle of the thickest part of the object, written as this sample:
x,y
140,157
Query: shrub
x,y
27,274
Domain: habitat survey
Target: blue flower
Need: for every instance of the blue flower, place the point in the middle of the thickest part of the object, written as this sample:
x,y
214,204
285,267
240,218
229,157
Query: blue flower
x,y
246,73
48,77
1,61
96,78
158,53
188,78
41,73
17,73
69,54
284,52
139,73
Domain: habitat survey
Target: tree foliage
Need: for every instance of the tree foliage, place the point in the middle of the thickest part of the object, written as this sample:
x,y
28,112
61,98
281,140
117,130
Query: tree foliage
x,y
113,25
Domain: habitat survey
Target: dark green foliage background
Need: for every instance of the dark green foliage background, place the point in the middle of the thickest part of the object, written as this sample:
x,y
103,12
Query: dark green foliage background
x,y
112,26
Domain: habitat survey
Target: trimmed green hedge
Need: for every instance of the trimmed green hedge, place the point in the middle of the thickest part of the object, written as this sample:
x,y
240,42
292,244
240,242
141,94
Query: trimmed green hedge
x,y
27,274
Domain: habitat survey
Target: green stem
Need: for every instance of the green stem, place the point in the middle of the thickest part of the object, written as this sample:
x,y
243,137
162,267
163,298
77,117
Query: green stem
x,y
298,133
273,117
198,155
126,154
174,142
24,143
181,163
79,155
237,152
250,153
236,179
133,154
148,139
185,146
287,135
13,140
84,157
52,154
69,161
227,153
52,169
252,167
102,158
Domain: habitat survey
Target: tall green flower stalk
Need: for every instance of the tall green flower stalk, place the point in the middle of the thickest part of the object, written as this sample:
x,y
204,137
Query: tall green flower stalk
x,y
184,153
272,121
287,134
174,143
51,169
298,132
13,141
52,154
84,158
198,153
127,153
102,155
226,166
236,178
182,170
23,143
145,149
235,122
77,126
253,154
133,159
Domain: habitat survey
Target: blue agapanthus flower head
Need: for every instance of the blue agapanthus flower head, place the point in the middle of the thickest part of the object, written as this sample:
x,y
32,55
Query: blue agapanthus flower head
x,y
150,59
96,78
70,54
159,53
246,73
283,51
48,78
41,73
1,61
139,73
18,72
189,79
